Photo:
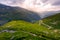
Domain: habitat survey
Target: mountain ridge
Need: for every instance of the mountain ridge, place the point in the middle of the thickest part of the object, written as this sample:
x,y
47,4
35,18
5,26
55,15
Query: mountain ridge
x,y
16,13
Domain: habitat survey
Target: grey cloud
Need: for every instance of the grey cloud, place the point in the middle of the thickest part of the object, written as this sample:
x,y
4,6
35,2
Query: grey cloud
x,y
56,3
44,1
52,2
18,1
11,2
15,2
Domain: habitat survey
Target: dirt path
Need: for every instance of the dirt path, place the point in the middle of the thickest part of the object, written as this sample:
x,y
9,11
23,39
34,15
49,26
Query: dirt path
x,y
49,27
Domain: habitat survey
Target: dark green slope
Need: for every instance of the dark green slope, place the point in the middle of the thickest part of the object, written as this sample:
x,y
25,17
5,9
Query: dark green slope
x,y
53,21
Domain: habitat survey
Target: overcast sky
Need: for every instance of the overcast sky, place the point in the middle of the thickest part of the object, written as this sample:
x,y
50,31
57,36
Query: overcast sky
x,y
35,5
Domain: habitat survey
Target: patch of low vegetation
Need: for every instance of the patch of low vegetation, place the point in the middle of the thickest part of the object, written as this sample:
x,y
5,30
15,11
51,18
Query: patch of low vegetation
x,y
23,30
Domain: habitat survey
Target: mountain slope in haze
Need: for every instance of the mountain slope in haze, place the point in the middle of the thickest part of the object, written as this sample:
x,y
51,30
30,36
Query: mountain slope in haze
x,y
49,13
16,13
52,21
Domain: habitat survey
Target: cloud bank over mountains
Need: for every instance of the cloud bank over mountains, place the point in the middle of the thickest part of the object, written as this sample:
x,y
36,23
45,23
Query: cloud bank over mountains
x,y
35,5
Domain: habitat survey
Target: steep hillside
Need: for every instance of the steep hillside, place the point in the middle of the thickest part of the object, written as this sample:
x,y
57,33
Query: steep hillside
x,y
52,21
22,30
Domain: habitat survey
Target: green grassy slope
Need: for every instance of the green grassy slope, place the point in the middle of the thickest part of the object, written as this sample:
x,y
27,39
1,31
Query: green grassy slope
x,y
53,21
21,30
